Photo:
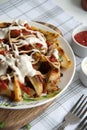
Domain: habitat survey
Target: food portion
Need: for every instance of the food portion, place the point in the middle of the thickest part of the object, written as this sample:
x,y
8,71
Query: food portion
x,y
31,60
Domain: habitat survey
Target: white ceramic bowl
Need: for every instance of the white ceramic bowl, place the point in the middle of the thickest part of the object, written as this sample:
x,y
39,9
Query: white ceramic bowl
x,y
79,49
83,71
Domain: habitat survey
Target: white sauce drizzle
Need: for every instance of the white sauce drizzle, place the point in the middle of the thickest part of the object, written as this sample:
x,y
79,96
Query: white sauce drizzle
x,y
30,40
24,66
3,33
22,22
55,53
16,27
10,85
3,68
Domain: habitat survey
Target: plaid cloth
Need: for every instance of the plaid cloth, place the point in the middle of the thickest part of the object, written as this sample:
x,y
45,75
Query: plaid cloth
x,y
48,11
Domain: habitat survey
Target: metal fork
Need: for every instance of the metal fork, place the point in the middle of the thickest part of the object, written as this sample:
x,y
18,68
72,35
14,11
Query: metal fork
x,y
83,124
75,114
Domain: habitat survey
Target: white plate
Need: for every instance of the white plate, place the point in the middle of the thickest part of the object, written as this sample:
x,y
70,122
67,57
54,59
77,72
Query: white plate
x,y
65,80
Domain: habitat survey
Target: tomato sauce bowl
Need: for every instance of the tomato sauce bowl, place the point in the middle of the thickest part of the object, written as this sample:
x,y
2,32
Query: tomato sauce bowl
x,y
79,41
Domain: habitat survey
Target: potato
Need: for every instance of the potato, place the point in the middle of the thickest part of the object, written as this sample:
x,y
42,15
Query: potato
x,y
37,84
4,25
17,90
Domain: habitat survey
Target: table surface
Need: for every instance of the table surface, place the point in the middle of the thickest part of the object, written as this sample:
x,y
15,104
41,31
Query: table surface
x,y
74,8
66,15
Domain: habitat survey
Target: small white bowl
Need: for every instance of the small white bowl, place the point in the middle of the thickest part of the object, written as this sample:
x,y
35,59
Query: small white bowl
x,y
83,71
79,49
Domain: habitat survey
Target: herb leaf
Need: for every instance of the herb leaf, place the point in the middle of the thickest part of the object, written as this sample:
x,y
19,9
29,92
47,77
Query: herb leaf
x,y
2,124
28,126
27,98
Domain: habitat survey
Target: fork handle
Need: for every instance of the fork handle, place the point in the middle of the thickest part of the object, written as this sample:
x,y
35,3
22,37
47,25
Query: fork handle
x,y
62,125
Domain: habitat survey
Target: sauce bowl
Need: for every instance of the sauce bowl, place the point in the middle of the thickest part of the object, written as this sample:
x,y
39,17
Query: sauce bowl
x,y
78,48
83,71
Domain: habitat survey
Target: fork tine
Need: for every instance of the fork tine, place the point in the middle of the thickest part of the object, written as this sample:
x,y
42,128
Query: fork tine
x,y
71,117
83,113
82,109
73,108
82,123
78,107
84,127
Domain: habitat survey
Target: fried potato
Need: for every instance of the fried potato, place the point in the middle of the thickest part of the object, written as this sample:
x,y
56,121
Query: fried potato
x,y
37,84
65,61
17,90
4,24
50,36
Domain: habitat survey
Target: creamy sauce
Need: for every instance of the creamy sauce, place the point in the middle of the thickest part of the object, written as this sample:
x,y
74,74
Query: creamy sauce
x,y
84,66
34,40
16,52
16,27
3,65
3,68
21,22
23,68
41,38
10,85
30,40
3,33
24,42
55,53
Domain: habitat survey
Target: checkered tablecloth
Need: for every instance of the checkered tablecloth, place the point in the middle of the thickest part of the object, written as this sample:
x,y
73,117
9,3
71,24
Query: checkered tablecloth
x,y
48,11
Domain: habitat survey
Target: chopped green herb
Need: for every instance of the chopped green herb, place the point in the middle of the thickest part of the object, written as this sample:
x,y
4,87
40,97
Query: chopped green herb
x,y
28,126
60,58
2,125
27,98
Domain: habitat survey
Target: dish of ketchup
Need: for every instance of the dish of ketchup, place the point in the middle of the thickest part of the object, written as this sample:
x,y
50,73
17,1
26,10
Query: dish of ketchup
x,y
81,38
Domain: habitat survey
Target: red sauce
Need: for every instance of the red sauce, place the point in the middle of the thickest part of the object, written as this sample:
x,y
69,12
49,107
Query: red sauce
x,y
81,38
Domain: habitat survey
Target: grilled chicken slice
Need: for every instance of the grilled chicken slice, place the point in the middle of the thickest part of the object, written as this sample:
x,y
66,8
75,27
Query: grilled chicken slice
x,y
53,80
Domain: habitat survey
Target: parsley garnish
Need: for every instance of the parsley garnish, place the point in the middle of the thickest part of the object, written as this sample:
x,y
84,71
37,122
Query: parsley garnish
x,y
2,125
28,126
